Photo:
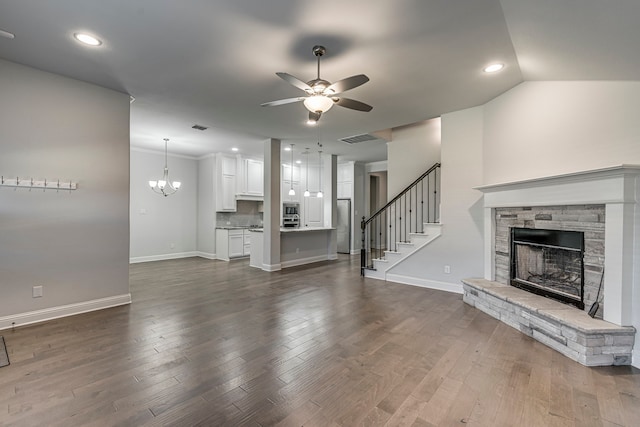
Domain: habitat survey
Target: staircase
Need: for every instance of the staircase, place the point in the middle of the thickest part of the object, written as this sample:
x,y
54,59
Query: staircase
x,y
382,266
407,223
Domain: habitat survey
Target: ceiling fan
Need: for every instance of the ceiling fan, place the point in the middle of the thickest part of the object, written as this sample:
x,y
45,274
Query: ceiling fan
x,y
322,94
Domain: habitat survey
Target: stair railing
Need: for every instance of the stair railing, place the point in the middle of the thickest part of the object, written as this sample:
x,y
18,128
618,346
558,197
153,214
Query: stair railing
x,y
406,213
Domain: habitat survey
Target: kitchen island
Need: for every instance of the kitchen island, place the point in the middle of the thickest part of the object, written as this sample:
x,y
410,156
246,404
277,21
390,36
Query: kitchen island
x,y
298,246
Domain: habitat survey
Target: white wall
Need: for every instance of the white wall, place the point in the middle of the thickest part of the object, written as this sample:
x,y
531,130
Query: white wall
x,y
158,222
413,150
206,231
461,244
548,128
74,244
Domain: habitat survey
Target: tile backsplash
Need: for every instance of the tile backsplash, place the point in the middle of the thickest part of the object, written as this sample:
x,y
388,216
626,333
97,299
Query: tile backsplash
x,y
245,215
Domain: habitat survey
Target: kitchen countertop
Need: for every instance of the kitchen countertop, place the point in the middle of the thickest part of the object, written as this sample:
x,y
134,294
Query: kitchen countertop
x,y
294,230
236,227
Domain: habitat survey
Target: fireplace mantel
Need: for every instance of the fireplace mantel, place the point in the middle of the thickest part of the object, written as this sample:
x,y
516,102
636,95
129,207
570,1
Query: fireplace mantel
x,y
618,188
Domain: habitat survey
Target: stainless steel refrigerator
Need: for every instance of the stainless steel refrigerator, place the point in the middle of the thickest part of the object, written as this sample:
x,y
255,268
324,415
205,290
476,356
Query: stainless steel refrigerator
x,y
344,226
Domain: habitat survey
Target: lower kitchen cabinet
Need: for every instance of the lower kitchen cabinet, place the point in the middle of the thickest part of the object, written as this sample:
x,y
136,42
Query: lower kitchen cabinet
x,y
232,243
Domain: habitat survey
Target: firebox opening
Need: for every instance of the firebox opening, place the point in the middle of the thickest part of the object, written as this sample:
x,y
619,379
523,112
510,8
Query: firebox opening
x,y
549,263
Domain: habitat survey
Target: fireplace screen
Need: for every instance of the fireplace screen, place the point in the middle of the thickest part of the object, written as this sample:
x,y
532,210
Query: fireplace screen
x,y
549,263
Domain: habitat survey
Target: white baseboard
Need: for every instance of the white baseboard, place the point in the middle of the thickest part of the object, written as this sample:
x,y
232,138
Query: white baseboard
x,y
272,267
45,314
635,355
355,251
206,255
309,260
177,255
424,283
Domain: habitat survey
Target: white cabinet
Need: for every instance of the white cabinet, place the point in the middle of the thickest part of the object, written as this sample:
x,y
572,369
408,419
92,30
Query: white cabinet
x,y
246,251
313,212
228,193
236,243
345,180
286,186
344,190
254,177
232,243
251,181
226,183
286,173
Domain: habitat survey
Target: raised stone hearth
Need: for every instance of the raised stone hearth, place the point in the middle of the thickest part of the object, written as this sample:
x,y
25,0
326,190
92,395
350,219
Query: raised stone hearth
x,y
591,342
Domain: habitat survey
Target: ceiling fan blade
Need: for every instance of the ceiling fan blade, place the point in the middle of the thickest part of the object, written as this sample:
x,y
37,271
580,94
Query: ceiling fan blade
x,y
353,104
282,101
347,84
295,82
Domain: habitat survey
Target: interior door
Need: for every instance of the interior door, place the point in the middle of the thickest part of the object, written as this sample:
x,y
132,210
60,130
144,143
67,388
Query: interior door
x,y
343,227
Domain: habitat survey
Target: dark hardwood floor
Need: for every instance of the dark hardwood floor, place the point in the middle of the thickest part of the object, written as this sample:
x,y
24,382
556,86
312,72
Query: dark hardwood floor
x,y
213,343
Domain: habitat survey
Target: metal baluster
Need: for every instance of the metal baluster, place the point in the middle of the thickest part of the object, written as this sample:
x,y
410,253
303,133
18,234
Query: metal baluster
x,y
428,199
435,195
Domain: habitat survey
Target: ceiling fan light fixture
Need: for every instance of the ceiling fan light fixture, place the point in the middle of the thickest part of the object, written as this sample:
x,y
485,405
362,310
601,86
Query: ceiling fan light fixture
x,y
318,103
313,118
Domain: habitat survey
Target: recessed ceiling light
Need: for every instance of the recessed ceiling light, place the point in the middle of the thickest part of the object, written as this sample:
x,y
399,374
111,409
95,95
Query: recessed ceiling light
x,y
493,68
234,149
298,162
87,39
287,148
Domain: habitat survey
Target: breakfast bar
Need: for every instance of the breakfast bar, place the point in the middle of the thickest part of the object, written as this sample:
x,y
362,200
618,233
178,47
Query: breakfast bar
x,y
298,246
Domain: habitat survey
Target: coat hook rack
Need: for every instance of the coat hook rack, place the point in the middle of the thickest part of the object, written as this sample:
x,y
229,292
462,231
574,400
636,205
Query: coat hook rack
x,y
45,184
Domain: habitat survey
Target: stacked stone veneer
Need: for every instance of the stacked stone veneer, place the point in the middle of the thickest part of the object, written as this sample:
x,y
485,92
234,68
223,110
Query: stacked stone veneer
x,y
591,342
588,219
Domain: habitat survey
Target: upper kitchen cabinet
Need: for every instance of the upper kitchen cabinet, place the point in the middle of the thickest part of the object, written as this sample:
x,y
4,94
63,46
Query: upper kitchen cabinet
x,y
345,180
226,182
252,178
287,184
237,178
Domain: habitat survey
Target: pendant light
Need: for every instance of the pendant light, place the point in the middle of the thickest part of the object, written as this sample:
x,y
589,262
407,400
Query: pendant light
x,y
319,195
306,192
164,186
292,192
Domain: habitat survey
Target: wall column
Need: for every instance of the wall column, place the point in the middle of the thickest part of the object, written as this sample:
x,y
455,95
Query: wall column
x,y
271,220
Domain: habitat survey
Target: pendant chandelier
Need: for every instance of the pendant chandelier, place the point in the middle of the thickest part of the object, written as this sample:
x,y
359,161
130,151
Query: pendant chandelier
x,y
164,186
306,191
319,195
292,192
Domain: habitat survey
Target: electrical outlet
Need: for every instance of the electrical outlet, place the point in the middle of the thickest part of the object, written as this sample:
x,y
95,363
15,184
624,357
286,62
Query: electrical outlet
x,y
297,250
172,245
447,269
37,291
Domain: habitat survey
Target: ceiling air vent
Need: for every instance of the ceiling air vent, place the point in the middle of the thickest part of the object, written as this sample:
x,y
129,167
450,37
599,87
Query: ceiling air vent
x,y
199,127
383,135
365,137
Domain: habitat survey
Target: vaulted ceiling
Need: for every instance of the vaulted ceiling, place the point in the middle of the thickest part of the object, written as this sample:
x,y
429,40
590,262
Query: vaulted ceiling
x,y
213,63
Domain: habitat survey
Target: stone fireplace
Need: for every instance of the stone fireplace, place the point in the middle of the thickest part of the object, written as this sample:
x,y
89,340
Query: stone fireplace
x,y
600,212
583,222
548,263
